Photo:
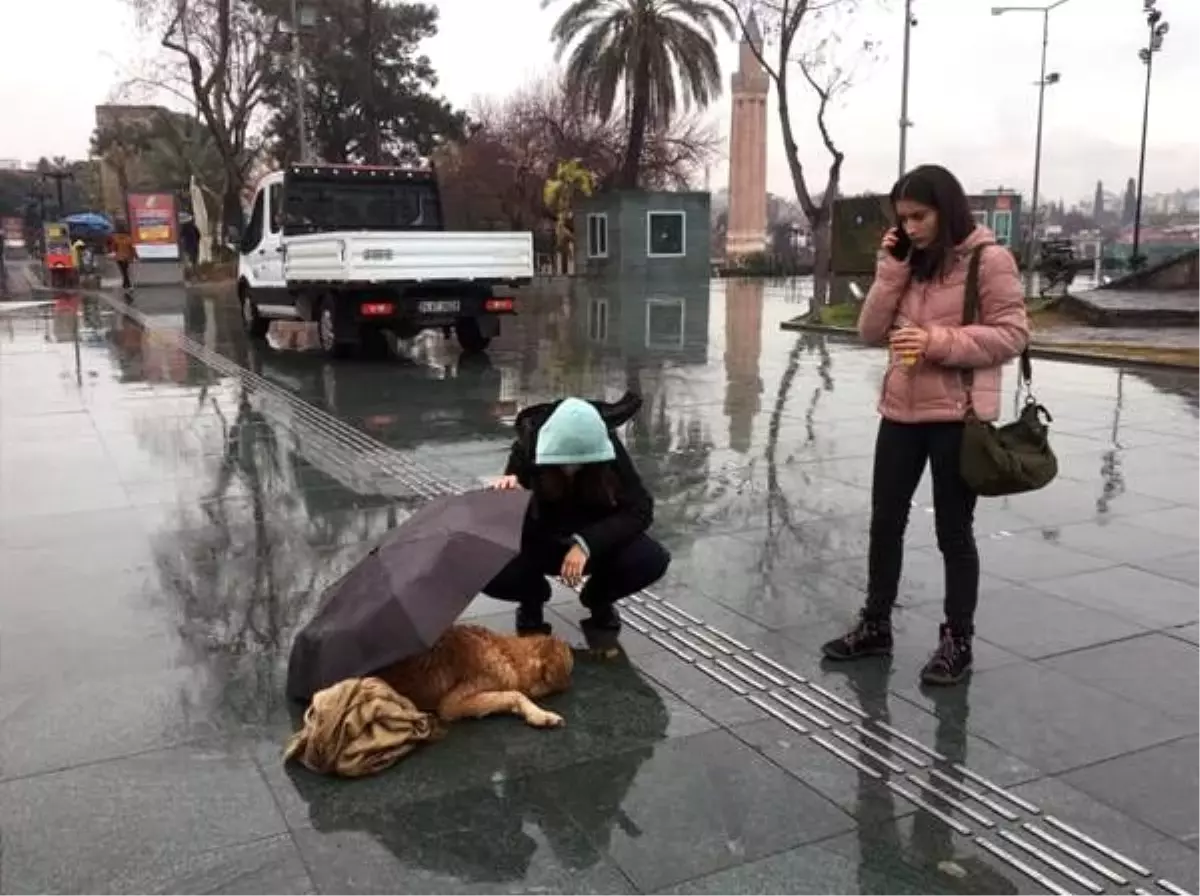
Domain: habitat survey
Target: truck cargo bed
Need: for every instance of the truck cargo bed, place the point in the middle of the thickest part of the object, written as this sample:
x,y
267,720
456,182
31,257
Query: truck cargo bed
x,y
414,256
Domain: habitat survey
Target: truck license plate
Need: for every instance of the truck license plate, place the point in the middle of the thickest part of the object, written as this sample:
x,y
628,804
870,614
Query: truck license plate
x,y
441,306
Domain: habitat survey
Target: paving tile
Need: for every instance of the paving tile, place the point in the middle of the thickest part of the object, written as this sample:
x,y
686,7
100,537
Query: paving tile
x,y
1184,567
1057,723
913,854
1181,522
1151,669
922,579
53,725
132,825
1164,856
508,837
1156,786
68,532
269,865
81,495
1189,633
1128,592
1062,502
1116,541
1023,559
696,805
698,690
1032,624
865,799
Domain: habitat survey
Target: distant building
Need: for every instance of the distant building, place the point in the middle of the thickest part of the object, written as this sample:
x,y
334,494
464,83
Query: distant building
x,y
11,165
860,221
643,233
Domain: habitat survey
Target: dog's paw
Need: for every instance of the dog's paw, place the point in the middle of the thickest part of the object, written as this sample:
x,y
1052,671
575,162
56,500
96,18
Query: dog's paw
x,y
547,719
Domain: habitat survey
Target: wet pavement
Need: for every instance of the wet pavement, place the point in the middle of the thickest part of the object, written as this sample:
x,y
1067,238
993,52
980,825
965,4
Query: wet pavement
x,y
173,500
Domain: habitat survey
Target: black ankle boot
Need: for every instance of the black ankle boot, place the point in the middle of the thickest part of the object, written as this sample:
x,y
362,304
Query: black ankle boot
x,y
951,661
604,618
531,620
871,637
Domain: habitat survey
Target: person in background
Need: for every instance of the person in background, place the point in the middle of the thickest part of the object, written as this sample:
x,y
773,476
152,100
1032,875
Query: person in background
x,y
121,246
915,306
189,242
588,515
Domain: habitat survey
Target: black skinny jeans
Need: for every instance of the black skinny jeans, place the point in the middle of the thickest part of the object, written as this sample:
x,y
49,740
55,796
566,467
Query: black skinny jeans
x,y
612,576
901,450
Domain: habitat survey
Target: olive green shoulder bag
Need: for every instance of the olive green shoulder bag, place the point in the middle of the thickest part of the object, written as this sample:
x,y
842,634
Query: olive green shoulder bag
x,y
1016,457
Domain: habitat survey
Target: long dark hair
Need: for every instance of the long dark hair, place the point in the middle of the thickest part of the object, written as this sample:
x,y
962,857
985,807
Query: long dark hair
x,y
595,485
934,186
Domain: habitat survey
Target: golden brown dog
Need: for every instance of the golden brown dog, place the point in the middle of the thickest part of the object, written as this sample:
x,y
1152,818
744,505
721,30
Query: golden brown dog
x,y
474,672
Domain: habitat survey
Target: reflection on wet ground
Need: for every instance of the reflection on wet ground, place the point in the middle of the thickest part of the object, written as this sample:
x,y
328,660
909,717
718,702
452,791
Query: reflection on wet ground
x,y
168,517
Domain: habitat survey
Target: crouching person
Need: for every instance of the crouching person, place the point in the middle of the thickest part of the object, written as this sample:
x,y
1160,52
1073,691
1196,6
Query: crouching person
x,y
587,518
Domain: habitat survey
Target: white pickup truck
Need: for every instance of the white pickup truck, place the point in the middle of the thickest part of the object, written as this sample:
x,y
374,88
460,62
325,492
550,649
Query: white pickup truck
x,y
361,251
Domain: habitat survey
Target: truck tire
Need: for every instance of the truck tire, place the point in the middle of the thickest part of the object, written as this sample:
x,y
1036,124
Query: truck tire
x,y
469,336
253,323
331,330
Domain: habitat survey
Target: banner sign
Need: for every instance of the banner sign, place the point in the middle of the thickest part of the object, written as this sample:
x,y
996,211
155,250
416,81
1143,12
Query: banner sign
x,y
153,224
12,232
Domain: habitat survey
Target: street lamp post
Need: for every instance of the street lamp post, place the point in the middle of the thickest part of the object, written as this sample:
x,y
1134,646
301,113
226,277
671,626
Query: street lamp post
x,y
1043,82
303,15
1158,29
909,21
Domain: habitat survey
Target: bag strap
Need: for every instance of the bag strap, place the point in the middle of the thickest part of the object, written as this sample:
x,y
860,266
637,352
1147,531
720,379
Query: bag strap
x,y
971,316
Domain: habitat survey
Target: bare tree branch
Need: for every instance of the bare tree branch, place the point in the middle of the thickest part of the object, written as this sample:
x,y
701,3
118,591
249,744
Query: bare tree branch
x,y
784,24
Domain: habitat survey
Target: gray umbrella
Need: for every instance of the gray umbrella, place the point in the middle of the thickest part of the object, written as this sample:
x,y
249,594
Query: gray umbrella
x,y
400,598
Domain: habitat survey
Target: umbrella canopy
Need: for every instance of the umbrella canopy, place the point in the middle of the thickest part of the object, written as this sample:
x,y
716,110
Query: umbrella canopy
x,y
408,590
90,221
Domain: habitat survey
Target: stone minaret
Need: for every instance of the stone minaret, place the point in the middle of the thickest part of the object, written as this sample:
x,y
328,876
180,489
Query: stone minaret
x,y
747,228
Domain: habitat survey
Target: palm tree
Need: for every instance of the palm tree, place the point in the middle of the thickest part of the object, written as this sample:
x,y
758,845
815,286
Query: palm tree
x,y
655,55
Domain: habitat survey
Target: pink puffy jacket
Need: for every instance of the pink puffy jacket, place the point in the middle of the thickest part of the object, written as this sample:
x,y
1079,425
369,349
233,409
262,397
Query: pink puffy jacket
x,y
932,390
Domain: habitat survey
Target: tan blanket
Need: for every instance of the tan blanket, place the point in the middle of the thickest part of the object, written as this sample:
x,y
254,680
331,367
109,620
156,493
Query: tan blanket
x,y
358,727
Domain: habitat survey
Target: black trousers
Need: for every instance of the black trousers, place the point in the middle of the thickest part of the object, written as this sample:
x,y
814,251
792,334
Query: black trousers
x,y
620,573
901,452
125,282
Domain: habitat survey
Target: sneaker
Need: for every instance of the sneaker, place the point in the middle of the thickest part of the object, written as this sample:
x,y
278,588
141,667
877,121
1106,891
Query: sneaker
x,y
871,637
531,620
950,662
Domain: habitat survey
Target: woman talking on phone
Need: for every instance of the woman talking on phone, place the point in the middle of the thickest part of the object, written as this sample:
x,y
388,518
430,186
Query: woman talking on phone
x,y
915,307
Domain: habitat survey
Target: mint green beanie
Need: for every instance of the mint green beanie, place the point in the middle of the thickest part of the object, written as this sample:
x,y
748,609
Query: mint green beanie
x,y
574,434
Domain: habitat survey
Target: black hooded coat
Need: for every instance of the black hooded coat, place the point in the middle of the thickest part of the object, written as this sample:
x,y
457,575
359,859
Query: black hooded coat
x,y
604,526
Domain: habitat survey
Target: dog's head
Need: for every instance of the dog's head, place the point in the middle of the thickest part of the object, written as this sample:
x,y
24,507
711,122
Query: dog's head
x,y
546,665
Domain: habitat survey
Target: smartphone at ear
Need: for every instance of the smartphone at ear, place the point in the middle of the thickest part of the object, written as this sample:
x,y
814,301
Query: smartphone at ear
x,y
903,247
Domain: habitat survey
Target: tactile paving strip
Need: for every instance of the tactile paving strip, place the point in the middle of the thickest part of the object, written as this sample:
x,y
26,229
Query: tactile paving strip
x,y
1047,850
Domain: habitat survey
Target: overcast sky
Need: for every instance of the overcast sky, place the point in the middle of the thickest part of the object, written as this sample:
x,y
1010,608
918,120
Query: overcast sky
x,y
972,97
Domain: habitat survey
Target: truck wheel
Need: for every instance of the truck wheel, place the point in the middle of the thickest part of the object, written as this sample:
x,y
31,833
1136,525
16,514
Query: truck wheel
x,y
330,330
469,336
255,325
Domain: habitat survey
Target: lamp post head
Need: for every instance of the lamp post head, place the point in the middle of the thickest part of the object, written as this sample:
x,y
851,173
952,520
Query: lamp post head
x,y
1053,78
